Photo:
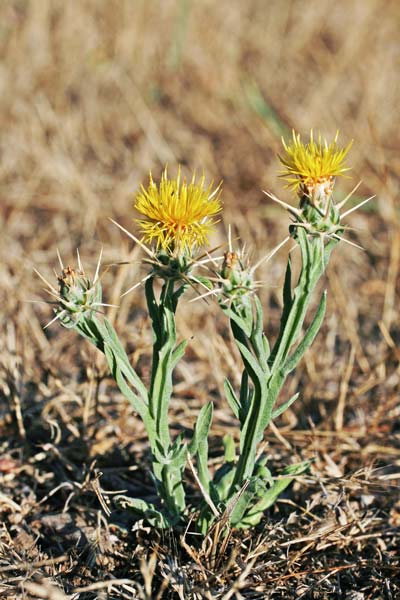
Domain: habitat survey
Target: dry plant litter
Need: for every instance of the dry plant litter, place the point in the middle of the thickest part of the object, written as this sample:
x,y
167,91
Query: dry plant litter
x,y
94,95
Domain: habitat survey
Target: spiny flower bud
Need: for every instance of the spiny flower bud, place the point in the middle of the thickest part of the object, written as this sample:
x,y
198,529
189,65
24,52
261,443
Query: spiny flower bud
x,y
78,296
236,278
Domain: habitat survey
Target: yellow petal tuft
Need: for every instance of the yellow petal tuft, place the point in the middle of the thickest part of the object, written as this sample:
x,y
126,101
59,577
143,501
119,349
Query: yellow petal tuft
x,y
314,162
179,216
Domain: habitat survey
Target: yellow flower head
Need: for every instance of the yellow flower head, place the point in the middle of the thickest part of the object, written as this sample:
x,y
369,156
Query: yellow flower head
x,y
312,164
178,215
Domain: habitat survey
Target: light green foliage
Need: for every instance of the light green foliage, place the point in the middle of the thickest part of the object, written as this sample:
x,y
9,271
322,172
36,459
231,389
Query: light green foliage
x,y
265,373
243,488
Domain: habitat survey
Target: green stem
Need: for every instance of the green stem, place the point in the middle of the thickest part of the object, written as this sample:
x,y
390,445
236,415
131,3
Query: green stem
x,y
168,458
161,371
168,473
314,262
268,379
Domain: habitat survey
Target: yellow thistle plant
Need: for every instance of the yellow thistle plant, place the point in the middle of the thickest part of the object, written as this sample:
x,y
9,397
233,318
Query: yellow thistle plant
x,y
177,218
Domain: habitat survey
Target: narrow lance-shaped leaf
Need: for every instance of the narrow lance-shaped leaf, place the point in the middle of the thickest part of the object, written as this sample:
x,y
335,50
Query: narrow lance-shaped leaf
x,y
281,409
258,339
240,503
161,394
87,329
229,448
287,286
250,429
122,359
255,514
199,444
152,306
308,337
201,428
137,403
144,510
291,326
245,397
178,353
251,363
231,398
244,324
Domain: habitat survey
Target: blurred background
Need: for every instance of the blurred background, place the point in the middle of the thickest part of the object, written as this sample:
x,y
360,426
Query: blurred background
x,y
96,93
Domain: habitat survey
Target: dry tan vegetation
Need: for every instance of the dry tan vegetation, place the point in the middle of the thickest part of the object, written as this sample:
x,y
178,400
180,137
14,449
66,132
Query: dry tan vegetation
x,y
94,94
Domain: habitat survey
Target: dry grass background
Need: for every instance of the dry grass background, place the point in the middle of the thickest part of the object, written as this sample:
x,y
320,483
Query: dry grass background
x,y
95,93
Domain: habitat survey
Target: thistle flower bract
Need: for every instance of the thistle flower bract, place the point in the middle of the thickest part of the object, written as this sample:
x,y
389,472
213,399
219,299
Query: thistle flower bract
x,y
178,215
236,281
78,296
236,276
310,169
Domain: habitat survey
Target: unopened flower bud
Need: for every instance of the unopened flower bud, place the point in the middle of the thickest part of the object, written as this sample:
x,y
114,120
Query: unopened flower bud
x,y
79,297
236,279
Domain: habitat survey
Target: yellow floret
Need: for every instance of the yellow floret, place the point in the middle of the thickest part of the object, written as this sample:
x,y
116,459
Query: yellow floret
x,y
178,215
312,163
